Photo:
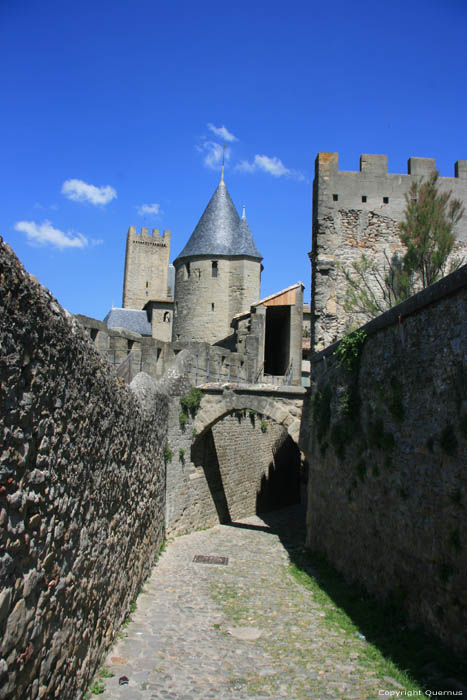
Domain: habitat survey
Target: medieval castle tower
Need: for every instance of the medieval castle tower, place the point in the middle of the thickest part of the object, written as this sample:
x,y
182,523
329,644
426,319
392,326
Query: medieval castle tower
x,y
217,274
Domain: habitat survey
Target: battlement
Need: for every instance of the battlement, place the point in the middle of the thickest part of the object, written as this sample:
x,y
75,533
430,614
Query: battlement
x,y
371,164
155,233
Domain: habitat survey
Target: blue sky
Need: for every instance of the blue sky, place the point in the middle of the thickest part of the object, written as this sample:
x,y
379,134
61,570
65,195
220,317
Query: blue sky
x,y
108,107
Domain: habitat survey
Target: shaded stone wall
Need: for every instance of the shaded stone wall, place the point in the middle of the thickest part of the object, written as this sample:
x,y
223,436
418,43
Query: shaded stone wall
x,y
387,448
359,212
82,490
230,469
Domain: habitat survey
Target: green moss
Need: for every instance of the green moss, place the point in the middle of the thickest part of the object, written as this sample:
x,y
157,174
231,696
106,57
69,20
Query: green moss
x,y
191,401
182,419
378,437
395,404
361,470
341,436
448,440
168,454
321,411
445,572
456,497
455,541
181,454
263,426
463,426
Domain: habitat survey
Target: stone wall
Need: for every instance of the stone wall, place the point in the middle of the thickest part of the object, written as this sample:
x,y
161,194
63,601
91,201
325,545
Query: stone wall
x,y
235,456
154,357
82,489
386,441
359,212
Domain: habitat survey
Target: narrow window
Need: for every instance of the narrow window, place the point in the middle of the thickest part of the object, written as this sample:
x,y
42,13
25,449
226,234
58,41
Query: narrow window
x,y
335,197
147,285
214,268
187,270
363,197
385,200
93,333
212,306
166,317
176,308
129,346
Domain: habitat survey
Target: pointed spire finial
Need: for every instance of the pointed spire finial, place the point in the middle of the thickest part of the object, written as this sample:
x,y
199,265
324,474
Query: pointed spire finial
x,y
223,154
244,214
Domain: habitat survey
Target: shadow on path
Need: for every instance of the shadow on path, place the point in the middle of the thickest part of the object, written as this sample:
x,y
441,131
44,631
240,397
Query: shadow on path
x,y
382,623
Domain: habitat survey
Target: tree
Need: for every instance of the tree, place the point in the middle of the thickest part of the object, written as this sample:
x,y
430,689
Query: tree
x,y
372,289
427,234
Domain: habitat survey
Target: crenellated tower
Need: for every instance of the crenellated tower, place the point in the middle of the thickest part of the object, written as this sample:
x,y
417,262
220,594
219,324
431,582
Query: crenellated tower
x,y
360,212
146,267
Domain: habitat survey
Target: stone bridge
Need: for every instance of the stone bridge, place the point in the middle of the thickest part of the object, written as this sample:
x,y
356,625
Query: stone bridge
x,y
281,403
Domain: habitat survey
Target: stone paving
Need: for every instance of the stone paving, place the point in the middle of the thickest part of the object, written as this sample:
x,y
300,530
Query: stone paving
x,y
246,630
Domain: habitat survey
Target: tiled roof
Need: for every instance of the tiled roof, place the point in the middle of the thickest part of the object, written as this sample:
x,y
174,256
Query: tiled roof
x,y
130,320
220,231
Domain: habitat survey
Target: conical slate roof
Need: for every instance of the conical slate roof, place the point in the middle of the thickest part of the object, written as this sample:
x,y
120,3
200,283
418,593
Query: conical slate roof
x,y
220,231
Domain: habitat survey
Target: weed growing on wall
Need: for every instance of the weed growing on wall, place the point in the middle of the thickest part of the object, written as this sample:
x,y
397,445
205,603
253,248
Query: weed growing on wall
x,y
349,350
264,426
190,404
168,454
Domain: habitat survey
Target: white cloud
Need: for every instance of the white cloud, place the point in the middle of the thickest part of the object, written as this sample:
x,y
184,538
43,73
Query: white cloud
x,y
222,133
46,234
273,166
213,154
80,191
153,208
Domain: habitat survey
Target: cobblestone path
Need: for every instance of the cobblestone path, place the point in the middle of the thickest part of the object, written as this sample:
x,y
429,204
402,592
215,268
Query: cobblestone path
x,y
236,631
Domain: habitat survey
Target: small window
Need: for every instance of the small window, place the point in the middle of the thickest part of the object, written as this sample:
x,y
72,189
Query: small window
x,y
129,344
363,197
187,270
176,308
212,306
147,285
214,268
93,333
166,317
385,200
335,197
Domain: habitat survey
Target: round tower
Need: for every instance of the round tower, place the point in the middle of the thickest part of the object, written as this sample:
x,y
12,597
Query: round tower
x,y
217,274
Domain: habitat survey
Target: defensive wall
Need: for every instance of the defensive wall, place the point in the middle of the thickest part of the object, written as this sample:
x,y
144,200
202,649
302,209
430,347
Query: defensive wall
x,y
235,455
82,493
360,212
155,357
386,440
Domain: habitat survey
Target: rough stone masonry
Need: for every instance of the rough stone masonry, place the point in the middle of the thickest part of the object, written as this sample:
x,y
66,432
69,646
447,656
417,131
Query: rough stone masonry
x,y
82,489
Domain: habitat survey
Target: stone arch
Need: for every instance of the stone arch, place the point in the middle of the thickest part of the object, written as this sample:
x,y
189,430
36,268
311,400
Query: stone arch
x,y
214,407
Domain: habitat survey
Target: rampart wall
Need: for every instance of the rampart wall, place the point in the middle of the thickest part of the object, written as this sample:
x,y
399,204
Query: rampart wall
x,y
360,212
387,448
154,357
82,493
